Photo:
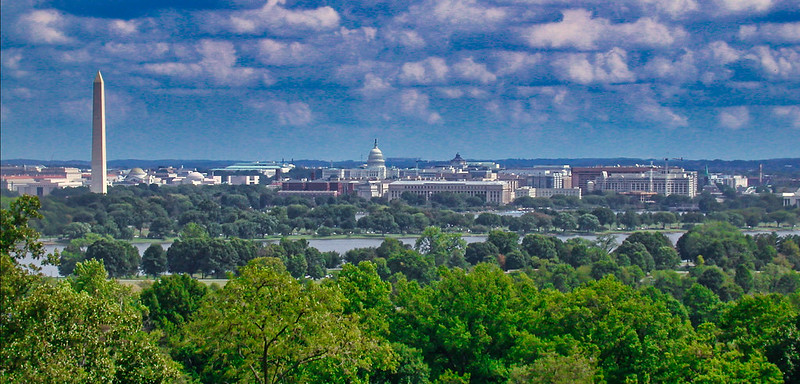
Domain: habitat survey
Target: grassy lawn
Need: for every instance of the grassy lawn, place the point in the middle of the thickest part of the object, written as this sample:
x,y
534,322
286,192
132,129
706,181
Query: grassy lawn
x,y
138,284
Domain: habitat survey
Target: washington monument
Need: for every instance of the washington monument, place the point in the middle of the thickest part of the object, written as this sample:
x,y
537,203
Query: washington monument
x,y
99,172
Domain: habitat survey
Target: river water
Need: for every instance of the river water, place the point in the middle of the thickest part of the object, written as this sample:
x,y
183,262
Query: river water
x,y
344,245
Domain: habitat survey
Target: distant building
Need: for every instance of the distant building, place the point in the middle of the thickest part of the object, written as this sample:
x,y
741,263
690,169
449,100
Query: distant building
x,y
268,169
241,180
674,181
791,199
303,187
736,182
492,191
375,169
546,192
581,176
543,176
40,181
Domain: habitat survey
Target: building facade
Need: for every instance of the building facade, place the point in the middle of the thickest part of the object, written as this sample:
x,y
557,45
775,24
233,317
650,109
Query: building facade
x,y
493,191
674,181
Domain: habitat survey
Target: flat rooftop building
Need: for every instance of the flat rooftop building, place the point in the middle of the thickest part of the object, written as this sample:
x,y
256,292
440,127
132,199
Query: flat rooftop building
x,y
493,191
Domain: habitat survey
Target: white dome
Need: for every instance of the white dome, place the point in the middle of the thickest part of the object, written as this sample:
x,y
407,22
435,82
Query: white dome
x,y
195,176
375,158
136,174
136,171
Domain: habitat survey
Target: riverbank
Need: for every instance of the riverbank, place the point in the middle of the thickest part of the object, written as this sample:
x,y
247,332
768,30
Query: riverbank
x,y
360,236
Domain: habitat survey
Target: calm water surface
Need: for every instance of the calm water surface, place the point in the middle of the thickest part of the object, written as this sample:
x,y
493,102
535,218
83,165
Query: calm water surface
x,y
344,245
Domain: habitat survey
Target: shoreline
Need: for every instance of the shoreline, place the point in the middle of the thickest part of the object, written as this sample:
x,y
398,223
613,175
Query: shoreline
x,y
56,241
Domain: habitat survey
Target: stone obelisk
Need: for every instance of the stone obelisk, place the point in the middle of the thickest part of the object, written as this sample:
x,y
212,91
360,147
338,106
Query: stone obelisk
x,y
99,171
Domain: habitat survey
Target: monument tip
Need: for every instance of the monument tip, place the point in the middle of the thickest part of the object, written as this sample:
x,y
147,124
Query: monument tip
x,y
98,78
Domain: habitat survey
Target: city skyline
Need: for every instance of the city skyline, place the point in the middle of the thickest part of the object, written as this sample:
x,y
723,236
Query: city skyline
x,y
255,80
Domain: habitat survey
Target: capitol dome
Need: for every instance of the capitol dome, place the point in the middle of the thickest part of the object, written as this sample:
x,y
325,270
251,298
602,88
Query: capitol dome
x,y
375,158
195,176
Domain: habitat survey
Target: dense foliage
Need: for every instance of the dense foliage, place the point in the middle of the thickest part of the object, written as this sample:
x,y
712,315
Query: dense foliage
x,y
256,211
512,309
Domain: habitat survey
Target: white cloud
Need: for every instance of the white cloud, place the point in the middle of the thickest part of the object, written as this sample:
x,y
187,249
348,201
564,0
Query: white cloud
x,y
11,60
415,104
777,63
277,19
469,70
375,85
287,113
124,27
673,8
509,62
722,53
737,6
137,52
579,30
582,68
650,111
44,26
790,113
734,117
406,38
450,15
771,32
428,71
217,64
274,52
678,70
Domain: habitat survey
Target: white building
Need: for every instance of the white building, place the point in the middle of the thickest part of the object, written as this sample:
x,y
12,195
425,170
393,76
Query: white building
x,y
546,192
40,181
493,191
674,181
375,169
791,199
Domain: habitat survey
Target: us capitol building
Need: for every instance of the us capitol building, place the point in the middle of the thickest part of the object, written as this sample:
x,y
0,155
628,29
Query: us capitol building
x,y
375,169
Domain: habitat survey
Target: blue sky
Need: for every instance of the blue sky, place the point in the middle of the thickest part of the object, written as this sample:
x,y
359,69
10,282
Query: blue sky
x,y
256,80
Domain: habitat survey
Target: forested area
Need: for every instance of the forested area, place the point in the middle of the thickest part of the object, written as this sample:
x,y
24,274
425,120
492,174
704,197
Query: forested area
x,y
516,308
253,212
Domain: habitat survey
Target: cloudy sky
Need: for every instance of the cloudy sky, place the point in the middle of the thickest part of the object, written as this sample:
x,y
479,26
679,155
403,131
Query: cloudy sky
x,y
261,80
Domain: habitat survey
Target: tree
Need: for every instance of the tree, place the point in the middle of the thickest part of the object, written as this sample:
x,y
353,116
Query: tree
x,y
540,246
480,252
665,218
702,303
86,329
192,231
632,253
264,326
444,247
629,219
565,221
421,268
604,215
506,242
76,230
69,257
17,239
588,222
160,228
744,278
720,243
172,299
119,257
763,324
154,260
187,256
